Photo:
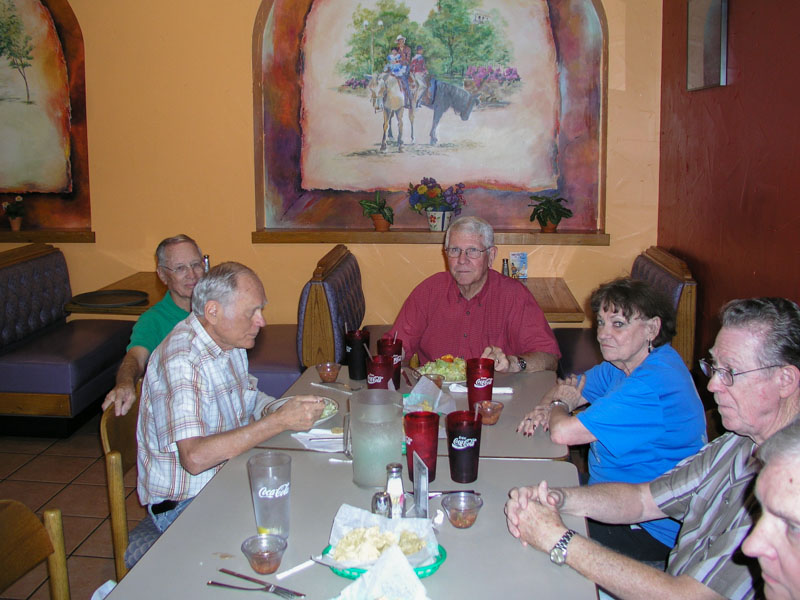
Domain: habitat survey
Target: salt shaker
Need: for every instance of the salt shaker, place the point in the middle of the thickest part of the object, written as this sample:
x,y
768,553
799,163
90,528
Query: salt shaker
x,y
505,267
382,504
394,487
206,263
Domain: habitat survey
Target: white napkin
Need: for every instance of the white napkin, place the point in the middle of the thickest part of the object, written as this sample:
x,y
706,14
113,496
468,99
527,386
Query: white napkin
x,y
307,439
390,577
457,388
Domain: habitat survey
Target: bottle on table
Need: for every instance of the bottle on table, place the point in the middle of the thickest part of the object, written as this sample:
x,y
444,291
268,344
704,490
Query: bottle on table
x,y
394,487
505,267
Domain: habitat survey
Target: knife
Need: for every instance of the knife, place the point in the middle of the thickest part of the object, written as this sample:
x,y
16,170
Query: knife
x,y
271,587
444,492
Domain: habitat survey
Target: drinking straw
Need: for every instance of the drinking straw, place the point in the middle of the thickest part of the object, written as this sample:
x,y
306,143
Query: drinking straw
x,y
367,349
346,328
395,337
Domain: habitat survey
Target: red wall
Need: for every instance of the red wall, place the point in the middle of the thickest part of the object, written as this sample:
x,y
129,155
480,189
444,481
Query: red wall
x,y
729,200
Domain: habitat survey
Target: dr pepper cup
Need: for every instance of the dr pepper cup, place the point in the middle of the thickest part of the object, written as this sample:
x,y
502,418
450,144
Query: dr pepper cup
x,y
379,372
480,380
356,353
463,444
422,437
395,350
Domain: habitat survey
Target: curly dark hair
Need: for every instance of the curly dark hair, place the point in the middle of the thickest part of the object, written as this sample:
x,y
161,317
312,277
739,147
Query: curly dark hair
x,y
634,297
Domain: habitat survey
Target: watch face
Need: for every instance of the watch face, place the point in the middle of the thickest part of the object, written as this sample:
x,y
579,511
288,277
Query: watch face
x,y
558,555
522,364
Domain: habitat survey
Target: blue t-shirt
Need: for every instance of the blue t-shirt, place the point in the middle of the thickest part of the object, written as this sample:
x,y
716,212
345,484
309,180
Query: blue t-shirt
x,y
645,423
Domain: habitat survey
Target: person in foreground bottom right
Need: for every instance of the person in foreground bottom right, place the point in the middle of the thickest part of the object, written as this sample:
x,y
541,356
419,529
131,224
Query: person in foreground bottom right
x,y
775,540
755,378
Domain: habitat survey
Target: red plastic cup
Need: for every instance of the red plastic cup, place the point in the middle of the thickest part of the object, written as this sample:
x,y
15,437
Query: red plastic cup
x,y
480,380
422,437
463,444
395,350
379,372
356,353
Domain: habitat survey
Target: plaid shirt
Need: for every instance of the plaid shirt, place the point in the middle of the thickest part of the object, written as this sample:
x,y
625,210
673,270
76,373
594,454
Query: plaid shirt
x,y
192,388
712,494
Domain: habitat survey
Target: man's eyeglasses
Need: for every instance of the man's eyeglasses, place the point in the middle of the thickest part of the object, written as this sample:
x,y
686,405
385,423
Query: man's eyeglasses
x,y
726,375
470,252
183,270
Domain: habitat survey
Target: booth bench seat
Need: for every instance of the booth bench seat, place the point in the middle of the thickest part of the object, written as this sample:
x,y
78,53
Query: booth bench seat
x,y
51,370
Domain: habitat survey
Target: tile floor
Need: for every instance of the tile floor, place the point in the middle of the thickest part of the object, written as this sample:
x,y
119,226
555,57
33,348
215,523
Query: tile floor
x,y
70,475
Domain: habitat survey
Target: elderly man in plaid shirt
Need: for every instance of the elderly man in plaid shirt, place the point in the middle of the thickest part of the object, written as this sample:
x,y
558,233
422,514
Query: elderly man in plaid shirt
x,y
198,400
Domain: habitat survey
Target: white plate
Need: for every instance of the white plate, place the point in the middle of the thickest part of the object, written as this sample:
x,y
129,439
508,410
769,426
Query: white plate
x,y
271,407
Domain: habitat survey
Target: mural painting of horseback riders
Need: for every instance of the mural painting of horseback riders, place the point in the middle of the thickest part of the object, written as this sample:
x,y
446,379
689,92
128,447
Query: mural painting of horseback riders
x,y
391,91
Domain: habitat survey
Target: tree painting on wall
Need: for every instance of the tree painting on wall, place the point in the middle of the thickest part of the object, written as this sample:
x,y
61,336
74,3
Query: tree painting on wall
x,y
42,114
504,96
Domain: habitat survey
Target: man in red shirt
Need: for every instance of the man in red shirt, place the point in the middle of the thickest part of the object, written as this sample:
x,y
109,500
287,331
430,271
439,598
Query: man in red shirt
x,y
472,310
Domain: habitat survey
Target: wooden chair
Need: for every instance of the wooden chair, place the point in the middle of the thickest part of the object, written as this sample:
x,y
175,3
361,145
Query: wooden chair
x,y
25,542
118,436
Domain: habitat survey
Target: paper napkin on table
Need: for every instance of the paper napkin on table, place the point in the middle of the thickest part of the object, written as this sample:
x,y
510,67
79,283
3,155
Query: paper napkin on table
x,y
391,577
309,441
458,388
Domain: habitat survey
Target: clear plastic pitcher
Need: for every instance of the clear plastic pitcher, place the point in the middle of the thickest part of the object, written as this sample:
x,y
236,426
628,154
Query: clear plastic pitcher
x,y
373,434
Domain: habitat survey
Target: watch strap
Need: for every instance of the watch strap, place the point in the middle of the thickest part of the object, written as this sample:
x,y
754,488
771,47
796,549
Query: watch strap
x,y
522,363
561,547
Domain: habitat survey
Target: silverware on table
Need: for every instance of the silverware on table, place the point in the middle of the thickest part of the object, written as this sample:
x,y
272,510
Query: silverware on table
x,y
444,492
343,388
266,586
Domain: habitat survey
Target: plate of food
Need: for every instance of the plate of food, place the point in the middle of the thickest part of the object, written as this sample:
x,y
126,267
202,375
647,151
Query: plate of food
x,y
331,408
454,368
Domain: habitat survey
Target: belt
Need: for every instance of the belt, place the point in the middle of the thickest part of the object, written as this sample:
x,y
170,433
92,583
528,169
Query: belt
x,y
163,507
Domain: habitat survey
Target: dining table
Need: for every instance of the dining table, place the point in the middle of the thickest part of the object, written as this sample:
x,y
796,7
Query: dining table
x,y
500,440
483,561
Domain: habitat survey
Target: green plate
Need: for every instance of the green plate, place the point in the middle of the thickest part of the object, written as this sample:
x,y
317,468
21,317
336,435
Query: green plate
x,y
422,572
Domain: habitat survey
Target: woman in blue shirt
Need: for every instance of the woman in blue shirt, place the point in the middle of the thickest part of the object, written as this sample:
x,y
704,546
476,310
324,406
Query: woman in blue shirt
x,y
643,414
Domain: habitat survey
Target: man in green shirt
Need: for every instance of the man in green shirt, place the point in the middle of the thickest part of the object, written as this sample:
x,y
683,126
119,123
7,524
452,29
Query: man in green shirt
x,y
180,266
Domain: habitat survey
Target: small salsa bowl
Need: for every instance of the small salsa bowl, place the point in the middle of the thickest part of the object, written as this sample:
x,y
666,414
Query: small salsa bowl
x,y
462,508
490,410
328,371
264,552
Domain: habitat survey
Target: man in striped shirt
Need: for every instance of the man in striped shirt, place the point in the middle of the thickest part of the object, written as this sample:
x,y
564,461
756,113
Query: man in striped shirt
x,y
198,400
755,378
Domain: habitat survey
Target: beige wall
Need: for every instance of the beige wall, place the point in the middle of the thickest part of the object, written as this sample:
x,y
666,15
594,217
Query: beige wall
x,y
170,126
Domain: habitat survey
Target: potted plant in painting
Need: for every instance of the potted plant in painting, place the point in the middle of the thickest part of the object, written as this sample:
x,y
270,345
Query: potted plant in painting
x,y
549,212
382,215
437,204
15,211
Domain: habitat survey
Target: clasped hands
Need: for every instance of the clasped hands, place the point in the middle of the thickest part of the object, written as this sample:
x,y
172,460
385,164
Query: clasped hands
x,y
568,390
532,515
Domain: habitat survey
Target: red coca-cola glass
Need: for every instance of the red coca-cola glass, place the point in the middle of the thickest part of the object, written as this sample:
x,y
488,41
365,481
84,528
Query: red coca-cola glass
x,y
463,444
379,372
395,350
422,437
480,379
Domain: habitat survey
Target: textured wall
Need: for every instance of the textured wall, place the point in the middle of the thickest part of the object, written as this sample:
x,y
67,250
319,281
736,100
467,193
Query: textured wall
x,y
728,199
170,127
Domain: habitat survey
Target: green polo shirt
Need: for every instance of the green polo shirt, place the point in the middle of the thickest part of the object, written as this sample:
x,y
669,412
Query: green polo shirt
x,y
156,323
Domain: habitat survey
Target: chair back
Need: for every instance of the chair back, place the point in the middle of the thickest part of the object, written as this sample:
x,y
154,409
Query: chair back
x,y
331,301
118,437
671,275
26,541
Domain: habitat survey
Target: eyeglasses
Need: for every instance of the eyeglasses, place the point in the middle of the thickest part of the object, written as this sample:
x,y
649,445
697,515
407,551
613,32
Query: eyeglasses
x,y
726,375
470,252
183,270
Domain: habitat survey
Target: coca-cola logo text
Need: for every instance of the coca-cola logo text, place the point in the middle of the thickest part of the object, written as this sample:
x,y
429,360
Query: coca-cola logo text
x,y
482,382
281,490
462,442
371,378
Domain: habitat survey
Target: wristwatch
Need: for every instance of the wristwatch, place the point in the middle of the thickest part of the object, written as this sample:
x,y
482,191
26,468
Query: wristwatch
x,y
560,403
559,552
522,364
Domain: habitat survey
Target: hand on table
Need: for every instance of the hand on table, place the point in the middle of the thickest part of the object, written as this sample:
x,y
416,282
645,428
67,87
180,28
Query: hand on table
x,y
300,412
122,397
532,516
538,417
501,362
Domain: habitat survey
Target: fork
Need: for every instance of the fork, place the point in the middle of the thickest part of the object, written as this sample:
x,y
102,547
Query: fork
x,y
263,588
266,586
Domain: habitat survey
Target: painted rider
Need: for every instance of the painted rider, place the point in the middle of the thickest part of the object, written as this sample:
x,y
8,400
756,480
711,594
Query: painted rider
x,y
405,59
418,72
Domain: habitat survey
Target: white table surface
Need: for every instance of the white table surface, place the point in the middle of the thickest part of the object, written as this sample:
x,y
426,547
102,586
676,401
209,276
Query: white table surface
x,y
498,441
483,561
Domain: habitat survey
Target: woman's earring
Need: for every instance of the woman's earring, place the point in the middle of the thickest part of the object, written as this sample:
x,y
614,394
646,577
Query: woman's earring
x,y
649,346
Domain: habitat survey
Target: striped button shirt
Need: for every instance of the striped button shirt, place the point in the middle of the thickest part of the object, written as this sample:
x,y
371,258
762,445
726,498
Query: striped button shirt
x,y
711,493
192,388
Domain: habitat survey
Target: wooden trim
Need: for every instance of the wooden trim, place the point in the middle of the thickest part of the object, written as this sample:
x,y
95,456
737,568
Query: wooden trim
x,y
317,343
329,262
61,236
57,561
23,253
35,405
422,236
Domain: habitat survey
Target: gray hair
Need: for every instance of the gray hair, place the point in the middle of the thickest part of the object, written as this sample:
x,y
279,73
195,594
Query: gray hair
x,y
775,320
161,251
474,225
219,284
784,444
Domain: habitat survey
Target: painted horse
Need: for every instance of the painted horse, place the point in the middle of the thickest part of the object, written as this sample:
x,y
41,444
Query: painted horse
x,y
386,94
